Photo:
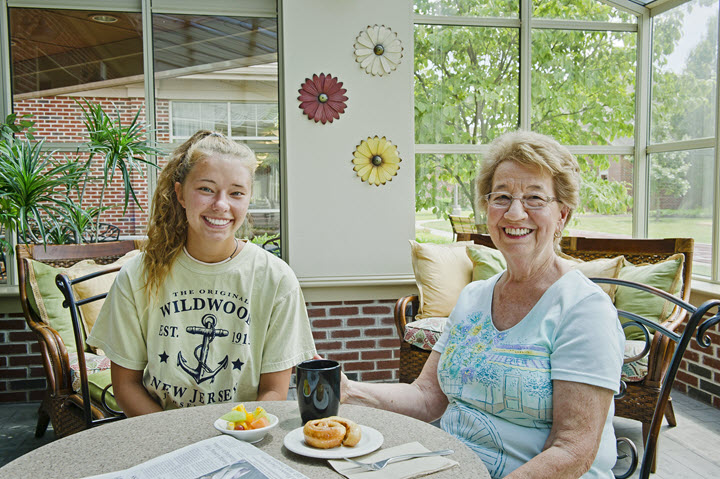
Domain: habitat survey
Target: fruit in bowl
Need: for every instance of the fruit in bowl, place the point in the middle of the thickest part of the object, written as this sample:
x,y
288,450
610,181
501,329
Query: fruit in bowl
x,y
239,419
246,426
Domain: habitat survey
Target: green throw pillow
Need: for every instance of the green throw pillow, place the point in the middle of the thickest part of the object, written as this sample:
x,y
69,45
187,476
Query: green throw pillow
x,y
487,262
96,383
46,300
665,275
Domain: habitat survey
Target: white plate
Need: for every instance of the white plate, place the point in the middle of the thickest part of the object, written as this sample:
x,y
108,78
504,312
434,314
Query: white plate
x,y
251,435
370,441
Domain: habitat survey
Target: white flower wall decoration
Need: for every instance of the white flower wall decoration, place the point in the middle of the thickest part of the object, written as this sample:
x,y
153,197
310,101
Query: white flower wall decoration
x,y
378,50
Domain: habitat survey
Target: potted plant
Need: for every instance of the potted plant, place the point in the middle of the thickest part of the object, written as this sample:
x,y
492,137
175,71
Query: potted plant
x,y
42,198
123,149
33,185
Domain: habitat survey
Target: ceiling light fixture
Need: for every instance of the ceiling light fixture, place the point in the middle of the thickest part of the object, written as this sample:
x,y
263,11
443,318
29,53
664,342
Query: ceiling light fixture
x,y
103,18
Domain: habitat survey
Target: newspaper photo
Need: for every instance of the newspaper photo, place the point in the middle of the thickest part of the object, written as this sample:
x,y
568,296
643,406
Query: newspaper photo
x,y
220,457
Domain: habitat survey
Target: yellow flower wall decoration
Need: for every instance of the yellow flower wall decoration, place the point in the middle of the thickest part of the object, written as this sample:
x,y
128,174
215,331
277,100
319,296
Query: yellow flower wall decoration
x,y
376,160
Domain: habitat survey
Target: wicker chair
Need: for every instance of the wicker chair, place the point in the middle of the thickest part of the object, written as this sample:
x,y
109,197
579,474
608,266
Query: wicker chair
x,y
640,399
61,404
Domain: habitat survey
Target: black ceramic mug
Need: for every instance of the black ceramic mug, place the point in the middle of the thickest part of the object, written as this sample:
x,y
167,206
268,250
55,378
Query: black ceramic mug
x,y
318,388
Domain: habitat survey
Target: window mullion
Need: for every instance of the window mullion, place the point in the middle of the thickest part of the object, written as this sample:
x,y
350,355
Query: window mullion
x,y
641,168
149,84
525,64
715,263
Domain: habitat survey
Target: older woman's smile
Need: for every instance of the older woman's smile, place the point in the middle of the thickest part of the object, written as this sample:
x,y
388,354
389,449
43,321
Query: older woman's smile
x,y
517,231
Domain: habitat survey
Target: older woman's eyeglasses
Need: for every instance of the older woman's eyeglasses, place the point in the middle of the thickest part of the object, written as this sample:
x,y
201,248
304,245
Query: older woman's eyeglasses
x,y
502,199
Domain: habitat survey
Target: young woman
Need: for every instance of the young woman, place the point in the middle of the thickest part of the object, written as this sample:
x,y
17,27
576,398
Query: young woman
x,y
202,317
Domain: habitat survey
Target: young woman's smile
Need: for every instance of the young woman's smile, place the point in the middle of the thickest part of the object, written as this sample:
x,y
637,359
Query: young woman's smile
x,y
215,195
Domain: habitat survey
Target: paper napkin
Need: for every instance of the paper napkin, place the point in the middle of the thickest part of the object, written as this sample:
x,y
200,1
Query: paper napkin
x,y
416,467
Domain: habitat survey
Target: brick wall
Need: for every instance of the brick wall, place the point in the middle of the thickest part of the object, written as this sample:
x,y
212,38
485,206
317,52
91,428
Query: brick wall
x,y
699,373
22,377
360,335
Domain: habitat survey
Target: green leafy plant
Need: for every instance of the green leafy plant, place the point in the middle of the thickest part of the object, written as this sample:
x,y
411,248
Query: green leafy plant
x,y
123,148
8,212
33,186
78,221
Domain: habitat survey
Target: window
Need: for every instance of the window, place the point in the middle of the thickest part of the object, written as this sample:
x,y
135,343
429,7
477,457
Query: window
x,y
576,80
209,71
578,85
682,128
220,73
240,121
62,58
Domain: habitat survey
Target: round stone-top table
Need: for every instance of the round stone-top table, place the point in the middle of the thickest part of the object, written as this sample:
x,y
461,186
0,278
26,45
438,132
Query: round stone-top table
x,y
122,444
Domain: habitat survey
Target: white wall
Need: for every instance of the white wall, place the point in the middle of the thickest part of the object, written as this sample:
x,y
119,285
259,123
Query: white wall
x,y
338,226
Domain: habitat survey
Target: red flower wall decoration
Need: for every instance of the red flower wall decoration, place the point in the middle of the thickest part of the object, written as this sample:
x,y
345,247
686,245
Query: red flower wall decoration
x,y
322,98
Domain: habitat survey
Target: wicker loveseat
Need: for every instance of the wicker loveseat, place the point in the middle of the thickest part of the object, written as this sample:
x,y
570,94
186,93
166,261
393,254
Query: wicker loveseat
x,y
41,301
642,393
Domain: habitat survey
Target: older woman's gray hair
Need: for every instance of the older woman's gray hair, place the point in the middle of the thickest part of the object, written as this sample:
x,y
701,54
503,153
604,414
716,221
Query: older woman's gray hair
x,y
533,149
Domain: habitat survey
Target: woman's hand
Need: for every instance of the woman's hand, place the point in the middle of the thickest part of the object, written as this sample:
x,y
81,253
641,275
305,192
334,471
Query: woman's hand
x,y
344,382
344,385
130,393
423,399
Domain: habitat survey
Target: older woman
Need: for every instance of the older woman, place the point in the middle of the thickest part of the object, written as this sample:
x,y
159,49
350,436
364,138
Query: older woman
x,y
526,369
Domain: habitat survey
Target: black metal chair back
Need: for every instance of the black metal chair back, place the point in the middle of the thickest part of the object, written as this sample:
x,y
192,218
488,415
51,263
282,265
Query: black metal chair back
x,y
65,284
694,325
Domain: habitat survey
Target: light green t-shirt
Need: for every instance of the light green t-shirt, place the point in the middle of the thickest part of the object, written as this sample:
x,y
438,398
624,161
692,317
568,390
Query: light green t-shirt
x,y
213,330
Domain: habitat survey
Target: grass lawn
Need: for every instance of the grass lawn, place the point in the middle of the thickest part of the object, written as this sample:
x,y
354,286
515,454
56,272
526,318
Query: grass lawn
x,y
667,227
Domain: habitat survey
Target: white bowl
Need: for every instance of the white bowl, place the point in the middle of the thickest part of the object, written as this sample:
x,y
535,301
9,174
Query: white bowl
x,y
249,435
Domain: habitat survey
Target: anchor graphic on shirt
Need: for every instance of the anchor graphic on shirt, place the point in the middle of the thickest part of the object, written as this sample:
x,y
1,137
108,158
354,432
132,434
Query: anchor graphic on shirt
x,y
202,372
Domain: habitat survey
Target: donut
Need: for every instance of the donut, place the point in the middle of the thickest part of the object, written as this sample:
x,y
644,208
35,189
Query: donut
x,y
324,433
352,431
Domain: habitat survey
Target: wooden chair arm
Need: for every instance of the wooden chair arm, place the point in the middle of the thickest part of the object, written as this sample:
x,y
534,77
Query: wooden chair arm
x,y
662,348
76,400
405,309
55,358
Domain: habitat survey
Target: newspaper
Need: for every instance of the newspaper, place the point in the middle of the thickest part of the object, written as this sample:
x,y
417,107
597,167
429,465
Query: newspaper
x,y
220,457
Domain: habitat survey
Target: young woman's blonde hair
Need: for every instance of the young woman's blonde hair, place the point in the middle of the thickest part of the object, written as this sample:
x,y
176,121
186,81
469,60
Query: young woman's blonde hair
x,y
167,225
540,151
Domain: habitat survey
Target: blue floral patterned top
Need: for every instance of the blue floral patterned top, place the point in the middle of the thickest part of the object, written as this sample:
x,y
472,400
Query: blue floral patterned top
x,y
499,383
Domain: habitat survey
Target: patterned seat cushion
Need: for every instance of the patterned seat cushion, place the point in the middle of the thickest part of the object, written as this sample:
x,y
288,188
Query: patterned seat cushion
x,y
637,370
423,333
94,364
